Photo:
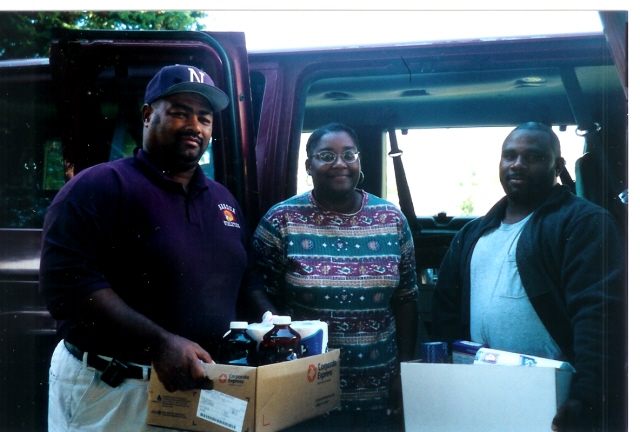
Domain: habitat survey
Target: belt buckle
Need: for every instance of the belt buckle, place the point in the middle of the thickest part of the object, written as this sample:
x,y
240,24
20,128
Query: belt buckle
x,y
114,373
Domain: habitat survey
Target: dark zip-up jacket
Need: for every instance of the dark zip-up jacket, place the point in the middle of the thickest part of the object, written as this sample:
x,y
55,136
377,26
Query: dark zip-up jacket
x,y
572,266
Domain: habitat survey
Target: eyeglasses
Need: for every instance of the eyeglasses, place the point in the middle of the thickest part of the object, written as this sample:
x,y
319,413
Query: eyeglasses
x,y
329,157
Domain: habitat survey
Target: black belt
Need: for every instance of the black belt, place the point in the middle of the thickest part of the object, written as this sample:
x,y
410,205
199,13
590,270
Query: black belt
x,y
113,371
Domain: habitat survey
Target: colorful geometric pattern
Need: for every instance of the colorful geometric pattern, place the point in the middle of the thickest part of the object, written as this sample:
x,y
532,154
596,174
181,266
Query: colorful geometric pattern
x,y
344,270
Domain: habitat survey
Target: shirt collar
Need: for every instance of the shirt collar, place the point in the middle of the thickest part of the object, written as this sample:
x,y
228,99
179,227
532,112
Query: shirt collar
x,y
198,181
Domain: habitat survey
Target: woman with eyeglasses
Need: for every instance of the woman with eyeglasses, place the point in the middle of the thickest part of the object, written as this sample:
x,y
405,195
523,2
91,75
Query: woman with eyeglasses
x,y
346,257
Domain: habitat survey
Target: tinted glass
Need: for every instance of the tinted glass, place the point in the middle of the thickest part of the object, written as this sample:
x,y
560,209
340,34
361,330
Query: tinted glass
x,y
31,162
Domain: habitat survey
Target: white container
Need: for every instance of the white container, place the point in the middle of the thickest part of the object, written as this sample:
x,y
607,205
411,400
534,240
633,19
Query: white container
x,y
315,336
256,331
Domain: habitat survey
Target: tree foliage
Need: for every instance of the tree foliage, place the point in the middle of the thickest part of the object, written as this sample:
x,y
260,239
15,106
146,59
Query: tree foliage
x,y
28,34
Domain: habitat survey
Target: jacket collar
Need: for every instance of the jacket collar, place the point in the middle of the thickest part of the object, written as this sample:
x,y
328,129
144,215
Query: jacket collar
x,y
495,215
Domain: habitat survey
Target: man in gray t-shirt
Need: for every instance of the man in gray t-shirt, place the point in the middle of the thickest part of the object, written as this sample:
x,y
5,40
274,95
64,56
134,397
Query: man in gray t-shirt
x,y
542,273
502,315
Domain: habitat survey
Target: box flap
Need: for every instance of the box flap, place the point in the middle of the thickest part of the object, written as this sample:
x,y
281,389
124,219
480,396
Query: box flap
x,y
291,392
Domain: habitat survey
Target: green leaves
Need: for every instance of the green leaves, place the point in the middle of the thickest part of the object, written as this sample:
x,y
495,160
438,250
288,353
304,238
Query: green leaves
x,y
28,34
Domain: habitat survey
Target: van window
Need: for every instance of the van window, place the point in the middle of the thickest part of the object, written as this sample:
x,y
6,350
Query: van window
x,y
31,160
452,170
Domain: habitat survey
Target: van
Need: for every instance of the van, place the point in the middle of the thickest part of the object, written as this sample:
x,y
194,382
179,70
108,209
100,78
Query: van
x,y
441,105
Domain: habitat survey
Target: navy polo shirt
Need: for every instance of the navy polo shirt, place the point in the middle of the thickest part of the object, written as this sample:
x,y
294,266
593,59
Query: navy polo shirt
x,y
176,257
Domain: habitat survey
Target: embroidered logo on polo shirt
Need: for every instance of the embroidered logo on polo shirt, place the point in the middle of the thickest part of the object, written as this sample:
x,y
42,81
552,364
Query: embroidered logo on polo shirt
x,y
229,215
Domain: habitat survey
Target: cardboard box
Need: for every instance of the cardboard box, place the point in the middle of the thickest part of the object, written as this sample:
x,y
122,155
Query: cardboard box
x,y
251,399
468,397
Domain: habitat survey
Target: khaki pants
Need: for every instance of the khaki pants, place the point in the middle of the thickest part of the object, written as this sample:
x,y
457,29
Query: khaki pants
x,y
80,401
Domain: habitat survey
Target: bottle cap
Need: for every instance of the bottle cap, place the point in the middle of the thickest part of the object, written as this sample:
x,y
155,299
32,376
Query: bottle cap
x,y
238,325
281,320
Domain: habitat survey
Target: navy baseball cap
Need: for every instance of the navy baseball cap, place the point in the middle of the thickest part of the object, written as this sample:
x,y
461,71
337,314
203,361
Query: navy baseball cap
x,y
183,78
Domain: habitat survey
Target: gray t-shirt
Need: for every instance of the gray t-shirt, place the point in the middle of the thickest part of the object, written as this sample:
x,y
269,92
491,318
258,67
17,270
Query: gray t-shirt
x,y
501,314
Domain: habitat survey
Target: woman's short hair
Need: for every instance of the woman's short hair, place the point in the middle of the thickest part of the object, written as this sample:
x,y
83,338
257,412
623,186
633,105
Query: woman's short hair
x,y
317,135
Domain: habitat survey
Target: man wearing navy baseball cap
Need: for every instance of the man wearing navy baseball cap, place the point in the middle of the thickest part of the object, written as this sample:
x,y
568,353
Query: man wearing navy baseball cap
x,y
180,78
170,92
142,264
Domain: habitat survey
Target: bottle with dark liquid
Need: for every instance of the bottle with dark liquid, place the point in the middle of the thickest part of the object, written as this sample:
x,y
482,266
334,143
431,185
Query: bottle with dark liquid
x,y
237,348
279,344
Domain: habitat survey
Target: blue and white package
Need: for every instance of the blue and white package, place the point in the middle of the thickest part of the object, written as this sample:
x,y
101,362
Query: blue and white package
x,y
488,356
314,334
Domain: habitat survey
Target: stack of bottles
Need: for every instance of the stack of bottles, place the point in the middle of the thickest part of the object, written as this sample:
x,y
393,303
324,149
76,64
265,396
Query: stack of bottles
x,y
276,339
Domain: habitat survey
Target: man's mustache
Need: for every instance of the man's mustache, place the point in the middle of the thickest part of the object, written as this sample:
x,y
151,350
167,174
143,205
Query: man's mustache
x,y
192,135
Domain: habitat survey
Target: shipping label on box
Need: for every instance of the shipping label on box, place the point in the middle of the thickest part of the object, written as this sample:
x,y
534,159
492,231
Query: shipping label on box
x,y
207,409
467,397
222,409
263,399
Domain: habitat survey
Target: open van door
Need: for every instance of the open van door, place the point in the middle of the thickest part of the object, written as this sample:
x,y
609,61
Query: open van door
x,y
615,25
101,77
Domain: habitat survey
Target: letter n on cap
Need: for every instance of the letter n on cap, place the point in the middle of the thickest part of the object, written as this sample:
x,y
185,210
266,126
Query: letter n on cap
x,y
197,76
